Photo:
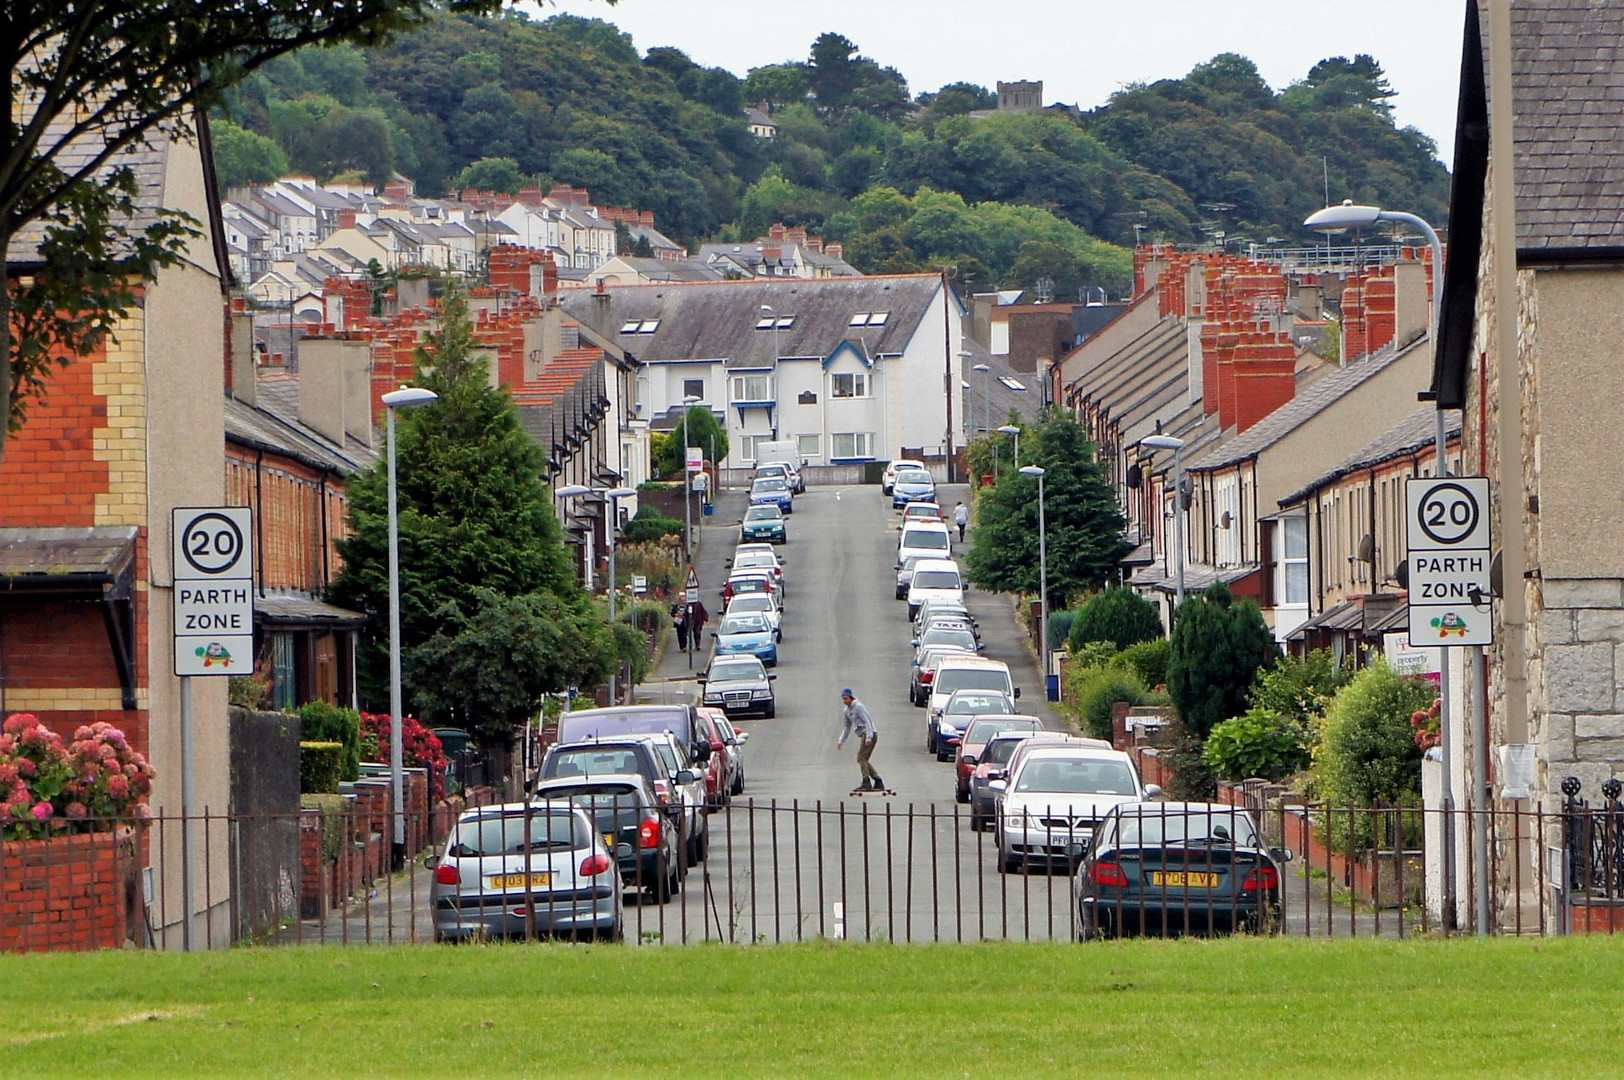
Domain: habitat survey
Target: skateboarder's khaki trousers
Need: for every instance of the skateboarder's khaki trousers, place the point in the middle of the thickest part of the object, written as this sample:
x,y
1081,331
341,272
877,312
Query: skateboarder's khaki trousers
x,y
864,752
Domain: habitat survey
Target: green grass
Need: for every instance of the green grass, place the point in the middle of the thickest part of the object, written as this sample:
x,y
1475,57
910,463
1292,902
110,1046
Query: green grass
x,y
1480,1008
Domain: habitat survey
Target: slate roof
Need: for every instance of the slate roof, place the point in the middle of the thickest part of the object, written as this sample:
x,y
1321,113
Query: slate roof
x,y
671,269
1142,378
717,320
287,609
44,554
1416,433
1311,400
146,162
1568,75
273,424
997,398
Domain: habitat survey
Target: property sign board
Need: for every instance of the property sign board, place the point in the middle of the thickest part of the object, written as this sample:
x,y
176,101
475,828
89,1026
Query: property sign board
x,y
1405,660
696,459
1447,536
214,590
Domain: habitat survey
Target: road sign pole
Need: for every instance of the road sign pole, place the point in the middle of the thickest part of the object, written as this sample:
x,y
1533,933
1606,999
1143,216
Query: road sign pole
x,y
188,829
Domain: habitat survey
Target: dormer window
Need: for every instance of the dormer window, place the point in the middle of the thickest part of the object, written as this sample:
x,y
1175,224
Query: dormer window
x,y
781,322
870,318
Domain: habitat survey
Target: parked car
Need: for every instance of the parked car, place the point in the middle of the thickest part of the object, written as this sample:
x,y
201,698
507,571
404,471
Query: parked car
x,y
759,560
646,719
948,632
888,478
748,634
765,522
761,604
751,581
927,538
735,740
715,774
739,685
635,828
973,744
783,452
660,758
934,579
785,471
952,609
519,868
695,808
772,491
990,765
1053,800
1170,867
912,485
921,511
969,673
961,708
905,572
923,672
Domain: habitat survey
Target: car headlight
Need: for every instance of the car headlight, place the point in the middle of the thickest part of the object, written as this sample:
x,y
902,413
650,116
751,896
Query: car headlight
x,y
761,695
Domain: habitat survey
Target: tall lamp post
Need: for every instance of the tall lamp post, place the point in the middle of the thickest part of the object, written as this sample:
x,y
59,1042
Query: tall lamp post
x,y
1043,576
986,395
1168,442
688,402
613,496
1011,429
405,397
1352,216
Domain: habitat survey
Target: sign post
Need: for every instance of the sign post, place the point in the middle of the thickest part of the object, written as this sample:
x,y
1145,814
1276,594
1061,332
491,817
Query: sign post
x,y
1447,536
213,570
690,598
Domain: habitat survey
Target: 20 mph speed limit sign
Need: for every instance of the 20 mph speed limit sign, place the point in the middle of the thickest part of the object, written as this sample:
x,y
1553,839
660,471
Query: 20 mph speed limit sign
x,y
214,590
1447,536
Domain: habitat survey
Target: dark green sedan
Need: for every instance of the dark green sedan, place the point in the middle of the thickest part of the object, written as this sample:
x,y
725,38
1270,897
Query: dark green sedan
x,y
763,523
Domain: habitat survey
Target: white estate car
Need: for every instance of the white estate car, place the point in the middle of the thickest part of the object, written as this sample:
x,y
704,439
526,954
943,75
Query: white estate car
x,y
1053,797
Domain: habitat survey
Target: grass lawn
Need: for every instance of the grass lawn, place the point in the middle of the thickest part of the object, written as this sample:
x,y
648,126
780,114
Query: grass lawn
x,y
1477,1008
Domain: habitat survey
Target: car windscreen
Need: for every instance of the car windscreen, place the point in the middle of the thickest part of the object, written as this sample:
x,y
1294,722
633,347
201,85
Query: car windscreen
x,y
745,623
645,720
610,806
592,761
753,602
767,486
925,540
962,638
913,476
735,671
1149,826
750,559
764,513
1076,776
936,579
972,679
505,834
978,703
984,729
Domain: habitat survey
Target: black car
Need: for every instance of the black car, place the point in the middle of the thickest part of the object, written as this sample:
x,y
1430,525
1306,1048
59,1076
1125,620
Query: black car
x,y
1177,868
739,686
635,828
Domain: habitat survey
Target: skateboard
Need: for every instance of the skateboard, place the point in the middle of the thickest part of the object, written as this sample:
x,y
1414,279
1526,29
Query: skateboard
x,y
871,791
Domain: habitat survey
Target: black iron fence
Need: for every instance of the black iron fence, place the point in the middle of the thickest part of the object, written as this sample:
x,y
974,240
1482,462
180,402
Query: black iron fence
x,y
871,870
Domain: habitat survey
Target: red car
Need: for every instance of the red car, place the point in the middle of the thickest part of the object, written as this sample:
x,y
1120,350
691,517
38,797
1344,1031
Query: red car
x,y
717,778
976,737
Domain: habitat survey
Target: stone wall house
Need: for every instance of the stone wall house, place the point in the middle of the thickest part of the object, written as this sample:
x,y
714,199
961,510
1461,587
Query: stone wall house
x,y
1546,314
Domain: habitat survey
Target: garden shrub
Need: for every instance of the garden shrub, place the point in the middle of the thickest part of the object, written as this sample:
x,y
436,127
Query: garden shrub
x,y
319,766
649,526
1094,654
323,722
49,787
1256,743
1096,691
1299,688
1060,627
1367,755
1219,643
1120,616
1148,660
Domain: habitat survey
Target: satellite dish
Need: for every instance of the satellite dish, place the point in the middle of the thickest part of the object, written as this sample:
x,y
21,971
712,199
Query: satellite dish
x,y
1367,548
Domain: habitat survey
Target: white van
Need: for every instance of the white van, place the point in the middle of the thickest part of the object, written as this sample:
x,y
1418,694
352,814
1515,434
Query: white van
x,y
968,673
934,579
928,539
784,452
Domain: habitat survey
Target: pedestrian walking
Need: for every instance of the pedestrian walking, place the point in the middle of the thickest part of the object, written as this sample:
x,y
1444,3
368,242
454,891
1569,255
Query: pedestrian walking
x,y
679,620
961,518
856,720
697,618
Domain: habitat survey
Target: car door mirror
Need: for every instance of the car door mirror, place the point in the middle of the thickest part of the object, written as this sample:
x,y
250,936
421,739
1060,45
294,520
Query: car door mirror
x,y
982,648
744,737
716,745
997,785
1280,854
1017,693
1153,791
771,675
702,679
686,776
969,759
430,861
914,642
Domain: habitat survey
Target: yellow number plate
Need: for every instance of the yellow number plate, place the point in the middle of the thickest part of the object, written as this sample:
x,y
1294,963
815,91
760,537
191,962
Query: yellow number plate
x,y
609,841
516,881
1185,879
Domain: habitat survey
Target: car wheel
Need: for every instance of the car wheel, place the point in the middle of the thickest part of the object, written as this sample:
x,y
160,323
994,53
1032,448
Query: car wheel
x,y
930,740
660,888
942,754
701,847
772,712
960,796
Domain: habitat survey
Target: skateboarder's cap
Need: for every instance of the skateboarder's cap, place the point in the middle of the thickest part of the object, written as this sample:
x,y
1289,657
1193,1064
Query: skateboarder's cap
x,y
847,693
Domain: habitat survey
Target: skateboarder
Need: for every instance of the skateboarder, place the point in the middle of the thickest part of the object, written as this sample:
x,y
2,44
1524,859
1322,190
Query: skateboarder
x,y
856,719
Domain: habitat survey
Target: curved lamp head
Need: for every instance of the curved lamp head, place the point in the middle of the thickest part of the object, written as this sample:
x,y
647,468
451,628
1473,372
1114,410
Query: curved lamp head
x,y
620,492
1032,470
690,400
1346,216
407,396
1008,429
570,491
1162,442
978,367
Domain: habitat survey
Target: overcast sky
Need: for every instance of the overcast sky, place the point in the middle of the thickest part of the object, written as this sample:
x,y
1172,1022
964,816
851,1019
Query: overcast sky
x,y
1082,50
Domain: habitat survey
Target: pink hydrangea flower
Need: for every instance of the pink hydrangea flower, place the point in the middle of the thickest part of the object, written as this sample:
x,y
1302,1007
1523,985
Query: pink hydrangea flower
x,y
42,810
118,787
78,811
26,768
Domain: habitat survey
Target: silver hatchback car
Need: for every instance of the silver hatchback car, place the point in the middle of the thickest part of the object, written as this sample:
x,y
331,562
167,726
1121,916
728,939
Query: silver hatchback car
x,y
518,869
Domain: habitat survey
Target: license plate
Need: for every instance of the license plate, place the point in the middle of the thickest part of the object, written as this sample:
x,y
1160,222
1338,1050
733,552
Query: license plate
x,y
609,840
517,881
1187,879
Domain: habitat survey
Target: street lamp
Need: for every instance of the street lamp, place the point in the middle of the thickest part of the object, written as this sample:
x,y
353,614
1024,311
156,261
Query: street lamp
x,y
1352,216
404,398
1168,442
1011,429
688,402
1043,577
986,395
614,495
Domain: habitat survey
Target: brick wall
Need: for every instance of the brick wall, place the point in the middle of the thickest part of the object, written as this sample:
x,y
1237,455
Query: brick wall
x,y
71,892
289,500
